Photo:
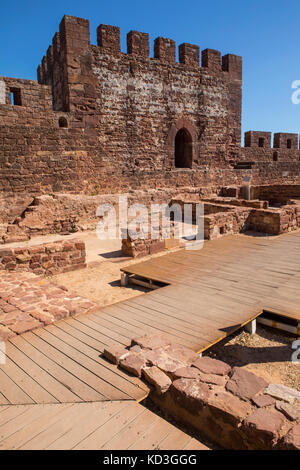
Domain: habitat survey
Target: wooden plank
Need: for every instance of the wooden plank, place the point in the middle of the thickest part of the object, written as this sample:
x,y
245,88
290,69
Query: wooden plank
x,y
12,392
112,385
128,435
77,377
95,417
60,373
67,419
106,432
37,420
32,388
155,434
39,375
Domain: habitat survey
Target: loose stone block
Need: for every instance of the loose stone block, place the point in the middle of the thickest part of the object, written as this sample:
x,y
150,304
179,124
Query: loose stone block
x,y
133,364
158,378
208,365
282,392
115,353
263,400
190,394
151,342
292,439
263,427
292,412
245,384
182,353
186,373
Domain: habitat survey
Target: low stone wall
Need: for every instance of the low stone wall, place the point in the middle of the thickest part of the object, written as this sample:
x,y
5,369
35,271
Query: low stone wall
x,y
232,407
226,223
276,193
45,259
142,247
276,221
163,237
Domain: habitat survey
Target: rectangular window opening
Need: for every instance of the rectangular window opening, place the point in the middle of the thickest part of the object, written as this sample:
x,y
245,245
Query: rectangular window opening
x,y
261,142
15,97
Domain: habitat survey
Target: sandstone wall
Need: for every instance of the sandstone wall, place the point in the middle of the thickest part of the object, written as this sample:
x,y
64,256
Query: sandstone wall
x,y
232,407
45,259
101,121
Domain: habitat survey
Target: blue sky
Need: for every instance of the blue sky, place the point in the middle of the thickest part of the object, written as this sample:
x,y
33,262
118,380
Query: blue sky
x,y
265,33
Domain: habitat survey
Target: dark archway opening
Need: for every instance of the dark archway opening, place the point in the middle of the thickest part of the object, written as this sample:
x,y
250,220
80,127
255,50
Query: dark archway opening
x,y
62,122
183,149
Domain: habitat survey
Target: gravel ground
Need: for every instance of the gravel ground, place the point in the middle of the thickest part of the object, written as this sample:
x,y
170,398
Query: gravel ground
x,y
267,354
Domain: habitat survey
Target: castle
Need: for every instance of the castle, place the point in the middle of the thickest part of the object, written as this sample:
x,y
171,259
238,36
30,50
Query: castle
x,y
99,121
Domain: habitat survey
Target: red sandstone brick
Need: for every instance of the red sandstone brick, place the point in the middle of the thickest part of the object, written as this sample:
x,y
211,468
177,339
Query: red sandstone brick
x,y
208,365
245,384
115,353
133,364
156,377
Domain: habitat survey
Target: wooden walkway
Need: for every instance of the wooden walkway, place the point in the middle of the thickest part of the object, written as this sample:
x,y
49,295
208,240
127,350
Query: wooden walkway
x,y
55,370
117,425
212,292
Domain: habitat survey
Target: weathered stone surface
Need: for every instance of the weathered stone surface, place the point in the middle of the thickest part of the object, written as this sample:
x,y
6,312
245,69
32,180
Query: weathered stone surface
x,y
115,353
228,407
25,325
133,364
292,412
181,353
186,373
263,400
282,392
151,342
212,379
208,365
190,394
136,348
292,439
158,378
245,384
162,360
263,427
5,333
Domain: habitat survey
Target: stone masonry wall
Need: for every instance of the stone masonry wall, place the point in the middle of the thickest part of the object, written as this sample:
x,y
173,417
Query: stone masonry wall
x,y
232,407
45,259
101,121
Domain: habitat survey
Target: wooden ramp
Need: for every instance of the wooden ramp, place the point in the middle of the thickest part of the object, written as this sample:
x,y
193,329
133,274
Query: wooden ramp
x,y
62,364
56,389
89,426
218,289
212,293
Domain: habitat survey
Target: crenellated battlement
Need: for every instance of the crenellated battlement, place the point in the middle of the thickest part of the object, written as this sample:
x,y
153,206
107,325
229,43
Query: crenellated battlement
x,y
74,38
281,140
102,120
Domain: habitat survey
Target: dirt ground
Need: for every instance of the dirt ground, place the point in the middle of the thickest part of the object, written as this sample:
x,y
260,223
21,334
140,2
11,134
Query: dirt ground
x,y
267,354
100,281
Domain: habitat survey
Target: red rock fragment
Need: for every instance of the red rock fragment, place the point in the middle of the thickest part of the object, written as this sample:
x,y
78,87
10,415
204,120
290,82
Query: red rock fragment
x,y
115,353
245,384
133,364
151,342
158,378
207,365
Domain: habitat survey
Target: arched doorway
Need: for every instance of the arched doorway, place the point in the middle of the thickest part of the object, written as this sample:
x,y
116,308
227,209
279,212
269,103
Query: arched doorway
x,y
183,149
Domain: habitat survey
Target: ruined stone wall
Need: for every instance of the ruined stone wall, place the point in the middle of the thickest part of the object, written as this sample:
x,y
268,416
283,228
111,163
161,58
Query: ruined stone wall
x,y
45,259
